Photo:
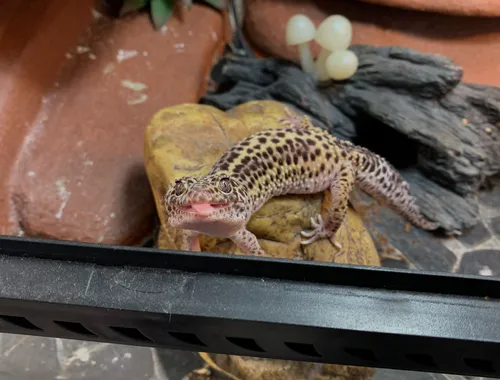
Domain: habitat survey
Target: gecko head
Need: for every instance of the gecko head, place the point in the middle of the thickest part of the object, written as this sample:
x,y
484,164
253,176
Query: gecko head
x,y
215,204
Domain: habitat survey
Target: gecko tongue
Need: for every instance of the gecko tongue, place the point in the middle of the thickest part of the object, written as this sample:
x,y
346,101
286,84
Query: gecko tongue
x,y
202,208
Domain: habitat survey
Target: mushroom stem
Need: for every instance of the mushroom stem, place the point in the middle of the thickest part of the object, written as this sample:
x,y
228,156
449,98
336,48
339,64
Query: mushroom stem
x,y
321,72
306,59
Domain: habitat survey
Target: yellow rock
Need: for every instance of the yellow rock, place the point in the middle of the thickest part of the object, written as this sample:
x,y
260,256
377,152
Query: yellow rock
x,y
185,140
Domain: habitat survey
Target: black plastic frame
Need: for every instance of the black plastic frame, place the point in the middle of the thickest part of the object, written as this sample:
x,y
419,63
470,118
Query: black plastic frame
x,y
241,305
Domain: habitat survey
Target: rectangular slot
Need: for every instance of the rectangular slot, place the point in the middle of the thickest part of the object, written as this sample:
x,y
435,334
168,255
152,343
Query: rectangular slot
x,y
245,343
131,333
361,353
187,338
303,349
20,322
422,359
482,365
75,328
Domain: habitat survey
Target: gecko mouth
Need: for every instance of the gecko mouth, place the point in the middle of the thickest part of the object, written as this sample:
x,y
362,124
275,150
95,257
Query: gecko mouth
x,y
203,208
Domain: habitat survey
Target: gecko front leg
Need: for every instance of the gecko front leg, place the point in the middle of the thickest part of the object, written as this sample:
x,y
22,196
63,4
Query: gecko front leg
x,y
248,242
340,189
291,120
190,241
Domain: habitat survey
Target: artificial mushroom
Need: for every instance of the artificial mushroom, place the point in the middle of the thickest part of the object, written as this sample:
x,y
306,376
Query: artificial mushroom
x,y
341,65
300,31
334,33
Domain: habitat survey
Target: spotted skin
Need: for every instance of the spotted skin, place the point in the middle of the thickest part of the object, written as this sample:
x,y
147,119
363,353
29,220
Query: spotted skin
x,y
297,159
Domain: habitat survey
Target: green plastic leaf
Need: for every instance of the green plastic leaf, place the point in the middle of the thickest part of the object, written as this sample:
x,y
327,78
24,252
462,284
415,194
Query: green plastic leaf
x,y
161,10
132,6
218,4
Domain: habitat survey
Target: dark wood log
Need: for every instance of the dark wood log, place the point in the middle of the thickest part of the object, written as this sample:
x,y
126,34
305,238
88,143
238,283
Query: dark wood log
x,y
412,108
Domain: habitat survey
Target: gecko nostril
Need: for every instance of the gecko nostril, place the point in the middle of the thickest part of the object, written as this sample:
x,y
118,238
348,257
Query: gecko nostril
x,y
200,196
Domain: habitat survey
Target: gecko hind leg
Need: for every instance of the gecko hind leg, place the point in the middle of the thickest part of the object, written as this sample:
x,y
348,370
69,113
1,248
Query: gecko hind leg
x,y
340,189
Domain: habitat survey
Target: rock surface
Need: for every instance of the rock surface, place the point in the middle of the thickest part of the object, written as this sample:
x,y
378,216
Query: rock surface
x,y
443,134
454,7
246,368
471,42
79,172
171,153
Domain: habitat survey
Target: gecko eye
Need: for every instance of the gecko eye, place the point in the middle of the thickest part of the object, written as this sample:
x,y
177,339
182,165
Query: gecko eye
x,y
225,185
179,188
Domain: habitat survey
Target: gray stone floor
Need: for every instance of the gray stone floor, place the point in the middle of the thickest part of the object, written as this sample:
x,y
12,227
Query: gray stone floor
x,y
27,357
476,251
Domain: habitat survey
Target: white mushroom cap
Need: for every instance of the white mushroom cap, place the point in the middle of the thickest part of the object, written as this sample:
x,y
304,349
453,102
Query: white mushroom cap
x,y
341,65
299,29
334,33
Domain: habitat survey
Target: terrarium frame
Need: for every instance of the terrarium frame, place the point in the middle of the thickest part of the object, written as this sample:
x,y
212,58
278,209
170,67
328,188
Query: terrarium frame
x,y
251,306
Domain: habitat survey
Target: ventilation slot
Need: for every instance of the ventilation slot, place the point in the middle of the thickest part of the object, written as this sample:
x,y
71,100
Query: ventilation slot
x,y
75,328
480,365
20,322
131,333
424,360
303,349
187,338
245,343
361,353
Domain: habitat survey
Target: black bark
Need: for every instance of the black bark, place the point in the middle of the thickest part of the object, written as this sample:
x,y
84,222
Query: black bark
x,y
412,108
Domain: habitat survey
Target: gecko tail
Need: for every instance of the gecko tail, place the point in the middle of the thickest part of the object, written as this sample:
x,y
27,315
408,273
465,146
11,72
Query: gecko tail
x,y
377,177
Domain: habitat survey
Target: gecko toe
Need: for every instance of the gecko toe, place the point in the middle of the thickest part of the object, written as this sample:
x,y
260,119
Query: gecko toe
x,y
317,222
314,223
310,240
337,244
320,220
318,231
313,235
290,119
308,233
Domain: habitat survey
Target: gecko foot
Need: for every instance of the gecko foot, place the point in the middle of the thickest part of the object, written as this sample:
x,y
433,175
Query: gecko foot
x,y
290,119
318,232
261,252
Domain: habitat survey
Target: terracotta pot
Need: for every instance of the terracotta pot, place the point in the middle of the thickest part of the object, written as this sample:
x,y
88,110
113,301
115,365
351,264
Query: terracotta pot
x,y
454,7
77,91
